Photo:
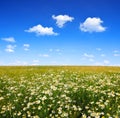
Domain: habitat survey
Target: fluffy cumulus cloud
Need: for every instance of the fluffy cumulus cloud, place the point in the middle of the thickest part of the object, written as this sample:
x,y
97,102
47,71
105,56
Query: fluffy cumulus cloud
x,y
35,62
88,55
98,49
92,25
106,61
91,60
44,55
62,19
10,48
26,47
102,55
40,30
9,39
116,53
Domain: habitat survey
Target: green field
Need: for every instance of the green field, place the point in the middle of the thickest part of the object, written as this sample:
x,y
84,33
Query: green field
x,y
59,92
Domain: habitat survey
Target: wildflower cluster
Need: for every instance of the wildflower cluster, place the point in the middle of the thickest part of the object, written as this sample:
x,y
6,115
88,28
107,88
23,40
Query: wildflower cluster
x,y
55,92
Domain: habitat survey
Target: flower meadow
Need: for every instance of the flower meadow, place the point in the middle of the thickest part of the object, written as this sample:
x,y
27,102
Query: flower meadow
x,y
59,92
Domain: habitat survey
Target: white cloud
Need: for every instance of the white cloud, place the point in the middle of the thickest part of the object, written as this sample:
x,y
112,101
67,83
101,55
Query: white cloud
x,y
88,55
18,62
9,39
44,55
92,25
98,64
106,61
102,55
116,64
50,50
62,19
98,49
103,63
40,30
36,61
116,51
91,60
10,48
26,47
57,50
116,55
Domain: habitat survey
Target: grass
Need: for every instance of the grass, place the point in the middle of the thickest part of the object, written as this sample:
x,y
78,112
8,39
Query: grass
x,y
59,92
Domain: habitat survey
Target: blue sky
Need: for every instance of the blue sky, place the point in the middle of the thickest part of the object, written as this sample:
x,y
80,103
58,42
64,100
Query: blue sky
x,y
62,32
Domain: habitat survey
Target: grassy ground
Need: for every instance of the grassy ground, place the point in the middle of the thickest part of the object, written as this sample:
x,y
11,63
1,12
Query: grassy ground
x,y
59,92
